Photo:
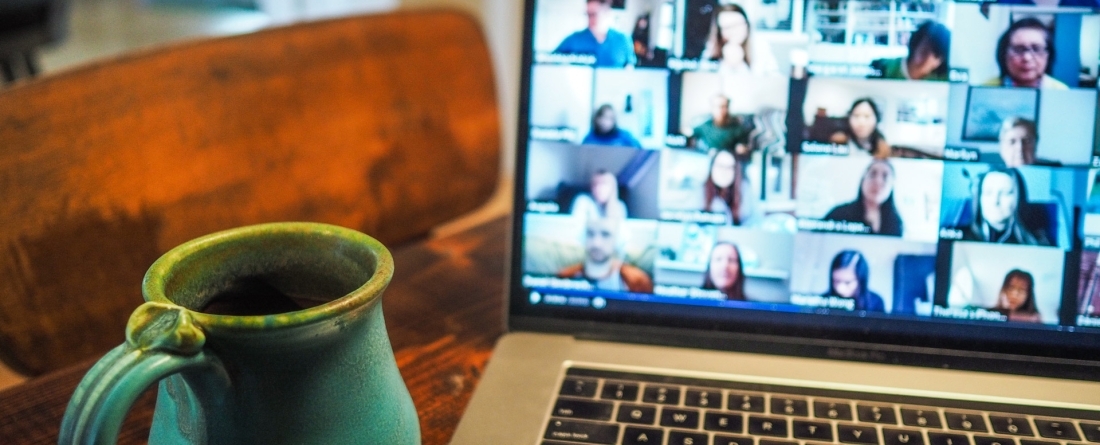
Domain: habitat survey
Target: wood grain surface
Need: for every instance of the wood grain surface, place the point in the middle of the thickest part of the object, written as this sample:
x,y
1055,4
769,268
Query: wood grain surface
x,y
387,124
443,314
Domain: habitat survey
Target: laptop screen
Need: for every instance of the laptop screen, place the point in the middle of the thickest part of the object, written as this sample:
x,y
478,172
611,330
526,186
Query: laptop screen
x,y
915,172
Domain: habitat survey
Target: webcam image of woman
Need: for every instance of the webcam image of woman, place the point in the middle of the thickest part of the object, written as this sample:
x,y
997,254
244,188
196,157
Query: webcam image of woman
x,y
1017,297
730,44
848,278
1025,55
725,271
874,203
602,199
724,190
1000,200
606,131
861,133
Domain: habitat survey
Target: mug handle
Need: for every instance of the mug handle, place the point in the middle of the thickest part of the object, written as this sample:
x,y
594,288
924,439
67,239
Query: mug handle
x,y
161,339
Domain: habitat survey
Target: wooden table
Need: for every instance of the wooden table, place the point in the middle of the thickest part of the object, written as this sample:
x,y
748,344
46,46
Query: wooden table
x,y
443,312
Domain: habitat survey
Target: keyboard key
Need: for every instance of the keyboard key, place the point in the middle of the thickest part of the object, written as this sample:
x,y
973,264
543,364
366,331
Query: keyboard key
x,y
583,409
988,440
857,434
643,436
587,432
833,410
686,438
731,440
1057,429
665,395
1092,431
644,415
767,426
578,387
947,439
746,402
776,442
812,430
790,406
1036,442
876,414
703,398
680,418
626,392
1010,425
921,418
724,422
902,437
965,421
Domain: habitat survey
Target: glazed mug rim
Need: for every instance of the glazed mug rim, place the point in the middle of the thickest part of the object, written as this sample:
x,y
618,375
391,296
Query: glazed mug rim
x,y
155,284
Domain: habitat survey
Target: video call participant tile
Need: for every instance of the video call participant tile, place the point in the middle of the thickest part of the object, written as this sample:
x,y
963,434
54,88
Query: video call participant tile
x,y
1025,46
888,197
1028,205
719,188
1088,286
989,282
861,273
1014,127
586,180
917,49
723,263
601,107
605,254
737,38
880,118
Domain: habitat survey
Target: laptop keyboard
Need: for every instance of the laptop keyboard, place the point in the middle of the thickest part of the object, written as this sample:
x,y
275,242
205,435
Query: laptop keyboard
x,y
607,407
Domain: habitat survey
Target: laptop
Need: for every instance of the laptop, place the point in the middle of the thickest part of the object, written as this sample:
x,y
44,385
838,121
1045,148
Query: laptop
x,y
801,222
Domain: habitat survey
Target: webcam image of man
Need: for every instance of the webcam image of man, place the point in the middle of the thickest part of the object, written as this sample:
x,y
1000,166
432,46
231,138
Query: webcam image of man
x,y
610,47
602,265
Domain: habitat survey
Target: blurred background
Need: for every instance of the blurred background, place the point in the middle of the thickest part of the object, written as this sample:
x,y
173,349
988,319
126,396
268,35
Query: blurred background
x,y
61,34
45,37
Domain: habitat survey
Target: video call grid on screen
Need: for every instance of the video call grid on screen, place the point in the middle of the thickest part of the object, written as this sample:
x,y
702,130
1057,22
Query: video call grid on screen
x,y
669,95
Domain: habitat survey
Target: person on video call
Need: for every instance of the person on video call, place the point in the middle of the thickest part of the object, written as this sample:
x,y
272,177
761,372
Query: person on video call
x,y
874,203
602,265
1017,297
929,51
602,200
1017,142
848,276
725,271
723,131
610,47
605,130
861,133
726,191
1025,56
730,43
1000,198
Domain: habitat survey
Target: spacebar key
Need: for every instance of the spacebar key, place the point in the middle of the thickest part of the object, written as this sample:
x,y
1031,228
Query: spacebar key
x,y
587,432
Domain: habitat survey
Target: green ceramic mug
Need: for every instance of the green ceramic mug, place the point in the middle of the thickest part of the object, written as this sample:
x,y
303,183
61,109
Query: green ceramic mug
x,y
266,334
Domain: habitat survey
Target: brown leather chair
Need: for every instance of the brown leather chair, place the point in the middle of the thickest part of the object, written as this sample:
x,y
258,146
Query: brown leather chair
x,y
387,124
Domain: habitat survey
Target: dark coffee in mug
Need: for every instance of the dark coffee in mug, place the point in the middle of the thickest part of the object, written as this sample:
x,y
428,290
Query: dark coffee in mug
x,y
257,296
